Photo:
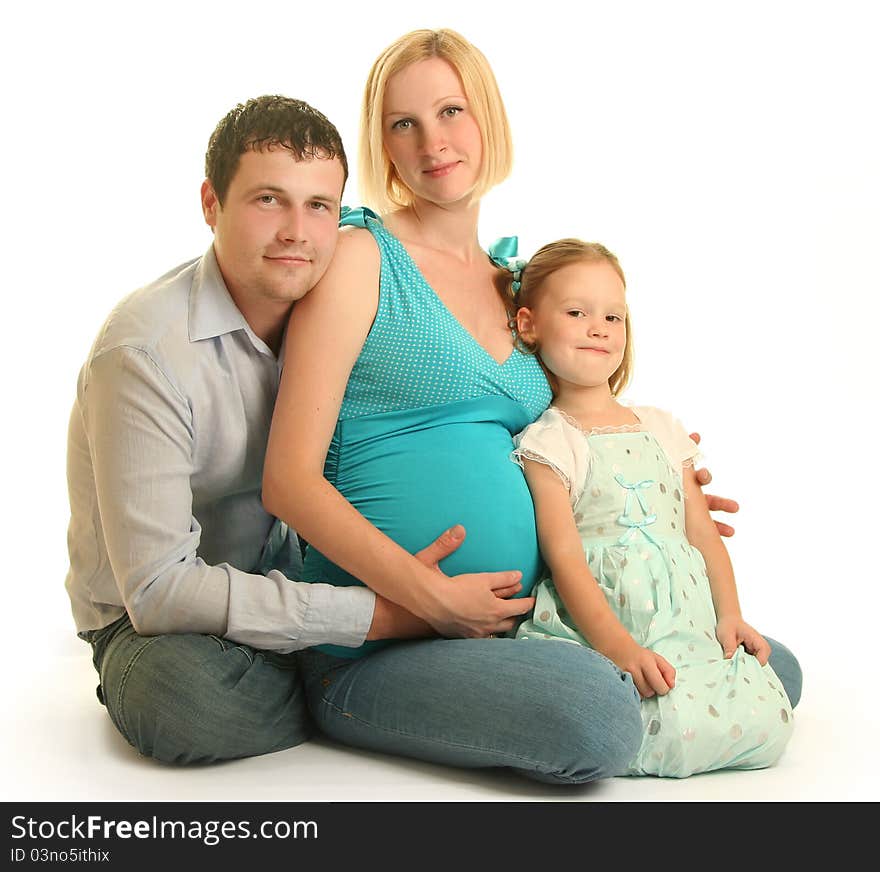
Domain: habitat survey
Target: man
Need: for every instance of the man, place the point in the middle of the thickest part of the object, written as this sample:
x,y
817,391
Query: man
x,y
165,461
193,633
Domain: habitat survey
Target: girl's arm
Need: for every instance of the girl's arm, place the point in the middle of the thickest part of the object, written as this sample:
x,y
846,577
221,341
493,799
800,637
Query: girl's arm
x,y
325,335
586,603
731,630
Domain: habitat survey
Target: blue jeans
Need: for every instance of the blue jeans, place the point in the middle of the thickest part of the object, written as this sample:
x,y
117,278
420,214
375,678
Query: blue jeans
x,y
551,711
197,699
554,712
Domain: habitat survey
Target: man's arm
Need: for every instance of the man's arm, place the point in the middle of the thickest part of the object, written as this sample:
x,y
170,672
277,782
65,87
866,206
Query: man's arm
x,y
141,441
715,503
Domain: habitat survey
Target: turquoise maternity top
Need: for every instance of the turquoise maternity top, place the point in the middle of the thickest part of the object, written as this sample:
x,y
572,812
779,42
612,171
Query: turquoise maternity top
x,y
425,433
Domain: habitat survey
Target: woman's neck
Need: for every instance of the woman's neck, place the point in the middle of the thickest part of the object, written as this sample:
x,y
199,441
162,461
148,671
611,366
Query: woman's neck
x,y
451,230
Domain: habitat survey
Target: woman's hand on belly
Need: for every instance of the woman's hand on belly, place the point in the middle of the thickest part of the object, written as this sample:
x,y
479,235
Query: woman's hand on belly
x,y
468,606
466,615
471,605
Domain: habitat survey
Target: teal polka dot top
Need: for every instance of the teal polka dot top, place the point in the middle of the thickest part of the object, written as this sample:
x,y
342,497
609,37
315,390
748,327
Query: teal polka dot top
x,y
417,353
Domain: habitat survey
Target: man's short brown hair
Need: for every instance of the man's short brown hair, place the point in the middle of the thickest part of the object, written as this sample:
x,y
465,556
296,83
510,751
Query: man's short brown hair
x,y
267,122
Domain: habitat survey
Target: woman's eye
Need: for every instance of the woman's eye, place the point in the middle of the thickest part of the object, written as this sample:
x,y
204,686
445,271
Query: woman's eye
x,y
403,124
451,111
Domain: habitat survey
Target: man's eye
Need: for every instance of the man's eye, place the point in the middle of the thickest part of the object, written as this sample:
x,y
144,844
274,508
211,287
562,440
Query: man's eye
x,y
318,206
267,199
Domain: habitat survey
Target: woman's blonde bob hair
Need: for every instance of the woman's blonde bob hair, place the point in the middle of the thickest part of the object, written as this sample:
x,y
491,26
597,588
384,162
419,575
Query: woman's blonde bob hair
x,y
380,185
546,261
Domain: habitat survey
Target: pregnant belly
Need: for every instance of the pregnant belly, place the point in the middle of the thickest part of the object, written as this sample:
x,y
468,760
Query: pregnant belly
x,y
417,482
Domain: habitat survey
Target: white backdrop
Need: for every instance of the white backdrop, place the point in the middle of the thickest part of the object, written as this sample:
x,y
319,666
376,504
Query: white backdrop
x,y
727,154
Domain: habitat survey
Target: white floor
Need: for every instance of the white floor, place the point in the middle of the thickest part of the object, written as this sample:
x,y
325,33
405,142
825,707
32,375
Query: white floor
x,y
61,747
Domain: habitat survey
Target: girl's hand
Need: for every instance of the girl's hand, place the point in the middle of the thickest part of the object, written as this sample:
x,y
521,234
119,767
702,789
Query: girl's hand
x,y
733,631
651,673
715,504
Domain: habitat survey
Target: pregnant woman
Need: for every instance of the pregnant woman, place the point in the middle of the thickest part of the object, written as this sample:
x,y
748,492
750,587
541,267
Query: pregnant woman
x,y
401,393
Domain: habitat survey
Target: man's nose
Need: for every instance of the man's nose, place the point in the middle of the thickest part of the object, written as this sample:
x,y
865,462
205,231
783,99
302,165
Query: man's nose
x,y
294,227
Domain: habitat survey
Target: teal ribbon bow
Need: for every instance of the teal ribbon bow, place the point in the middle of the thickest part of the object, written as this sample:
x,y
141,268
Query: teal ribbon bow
x,y
625,521
349,217
502,252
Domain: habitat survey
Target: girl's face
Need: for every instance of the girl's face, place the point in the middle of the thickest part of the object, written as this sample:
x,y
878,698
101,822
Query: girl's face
x,y
430,135
579,323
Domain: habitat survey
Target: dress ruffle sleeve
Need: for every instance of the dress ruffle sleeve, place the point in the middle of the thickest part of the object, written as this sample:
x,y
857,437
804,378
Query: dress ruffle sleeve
x,y
678,446
553,441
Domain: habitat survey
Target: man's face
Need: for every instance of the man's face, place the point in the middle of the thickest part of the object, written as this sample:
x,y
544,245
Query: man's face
x,y
275,234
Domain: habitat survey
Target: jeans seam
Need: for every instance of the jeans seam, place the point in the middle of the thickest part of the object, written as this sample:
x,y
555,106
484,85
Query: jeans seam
x,y
242,649
253,654
388,730
123,726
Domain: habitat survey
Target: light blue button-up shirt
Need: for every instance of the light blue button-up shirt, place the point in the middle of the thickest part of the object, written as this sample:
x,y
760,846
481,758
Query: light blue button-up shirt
x,y
165,462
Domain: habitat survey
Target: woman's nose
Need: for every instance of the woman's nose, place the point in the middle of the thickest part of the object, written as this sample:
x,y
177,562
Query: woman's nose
x,y
433,139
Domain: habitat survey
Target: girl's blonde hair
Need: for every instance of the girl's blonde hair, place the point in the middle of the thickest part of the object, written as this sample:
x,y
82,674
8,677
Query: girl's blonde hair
x,y
546,261
380,185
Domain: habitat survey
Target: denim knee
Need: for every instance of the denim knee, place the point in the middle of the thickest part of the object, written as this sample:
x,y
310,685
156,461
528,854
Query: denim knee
x,y
198,699
593,728
786,666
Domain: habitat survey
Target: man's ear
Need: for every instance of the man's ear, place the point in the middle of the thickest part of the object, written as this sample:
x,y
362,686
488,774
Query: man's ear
x,y
210,204
525,325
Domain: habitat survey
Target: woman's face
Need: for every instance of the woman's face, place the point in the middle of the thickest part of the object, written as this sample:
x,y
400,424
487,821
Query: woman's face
x,y
430,135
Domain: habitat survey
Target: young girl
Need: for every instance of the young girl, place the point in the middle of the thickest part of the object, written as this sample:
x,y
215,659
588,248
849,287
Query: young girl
x,y
637,569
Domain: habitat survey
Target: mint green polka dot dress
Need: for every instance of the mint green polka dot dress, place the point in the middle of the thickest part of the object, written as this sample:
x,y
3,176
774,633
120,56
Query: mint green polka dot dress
x,y
626,492
425,432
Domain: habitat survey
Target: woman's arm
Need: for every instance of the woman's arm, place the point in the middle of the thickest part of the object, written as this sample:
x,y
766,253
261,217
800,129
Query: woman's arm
x,y
703,534
563,552
326,333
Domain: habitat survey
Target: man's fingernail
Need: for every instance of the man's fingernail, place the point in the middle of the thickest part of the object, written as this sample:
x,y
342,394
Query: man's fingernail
x,y
456,532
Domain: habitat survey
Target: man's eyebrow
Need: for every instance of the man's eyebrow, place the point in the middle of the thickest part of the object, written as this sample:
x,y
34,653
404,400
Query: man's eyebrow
x,y
265,187
274,189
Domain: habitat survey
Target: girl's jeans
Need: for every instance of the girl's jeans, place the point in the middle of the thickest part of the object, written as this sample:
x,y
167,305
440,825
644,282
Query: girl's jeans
x,y
551,711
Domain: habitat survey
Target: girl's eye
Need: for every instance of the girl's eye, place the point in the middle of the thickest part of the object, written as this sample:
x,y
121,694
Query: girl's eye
x,y
402,124
575,313
451,111
613,318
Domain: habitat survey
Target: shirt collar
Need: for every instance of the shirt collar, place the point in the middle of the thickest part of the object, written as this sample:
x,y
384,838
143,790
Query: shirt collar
x,y
212,311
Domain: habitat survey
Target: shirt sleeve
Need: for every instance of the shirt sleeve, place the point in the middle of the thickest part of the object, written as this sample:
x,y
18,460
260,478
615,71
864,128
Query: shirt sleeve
x,y
678,446
141,438
553,441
